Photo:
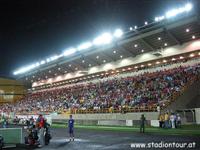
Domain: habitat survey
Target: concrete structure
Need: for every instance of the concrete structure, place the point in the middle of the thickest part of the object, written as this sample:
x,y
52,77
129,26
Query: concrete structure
x,y
118,119
10,90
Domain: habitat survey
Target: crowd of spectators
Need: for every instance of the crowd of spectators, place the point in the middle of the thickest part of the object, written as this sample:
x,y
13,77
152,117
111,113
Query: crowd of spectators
x,y
151,87
169,120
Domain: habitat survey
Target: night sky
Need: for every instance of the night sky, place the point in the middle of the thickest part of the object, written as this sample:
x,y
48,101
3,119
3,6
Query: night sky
x,y
31,30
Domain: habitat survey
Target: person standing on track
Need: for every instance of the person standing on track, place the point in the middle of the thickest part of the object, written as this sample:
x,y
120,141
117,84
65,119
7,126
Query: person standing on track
x,y
142,123
71,128
40,123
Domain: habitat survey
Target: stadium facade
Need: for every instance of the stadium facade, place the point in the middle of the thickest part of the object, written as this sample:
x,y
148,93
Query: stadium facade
x,y
11,90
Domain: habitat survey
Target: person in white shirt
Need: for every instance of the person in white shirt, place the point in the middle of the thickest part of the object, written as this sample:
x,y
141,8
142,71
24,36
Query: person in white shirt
x,y
172,120
178,121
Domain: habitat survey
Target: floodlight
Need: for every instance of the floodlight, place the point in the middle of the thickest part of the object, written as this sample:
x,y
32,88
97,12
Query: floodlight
x,y
135,27
174,12
54,57
188,7
118,33
69,52
191,55
42,62
37,64
48,60
105,38
24,69
84,46
187,30
160,18
159,38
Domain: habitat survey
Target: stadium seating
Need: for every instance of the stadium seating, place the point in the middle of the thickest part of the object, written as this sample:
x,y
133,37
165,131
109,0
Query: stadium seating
x,y
142,90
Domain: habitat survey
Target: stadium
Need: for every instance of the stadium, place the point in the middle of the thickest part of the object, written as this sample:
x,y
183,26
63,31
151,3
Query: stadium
x,y
108,83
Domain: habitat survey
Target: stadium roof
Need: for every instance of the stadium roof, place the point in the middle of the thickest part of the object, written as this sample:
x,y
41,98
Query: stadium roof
x,y
151,37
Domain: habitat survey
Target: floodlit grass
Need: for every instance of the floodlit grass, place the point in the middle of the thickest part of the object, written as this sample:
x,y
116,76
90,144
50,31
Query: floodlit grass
x,y
189,130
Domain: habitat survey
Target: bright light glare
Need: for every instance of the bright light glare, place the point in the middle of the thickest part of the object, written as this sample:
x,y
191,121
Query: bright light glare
x,y
188,6
160,18
105,38
174,12
118,33
54,57
42,62
37,64
69,52
84,46
24,69
135,27
48,60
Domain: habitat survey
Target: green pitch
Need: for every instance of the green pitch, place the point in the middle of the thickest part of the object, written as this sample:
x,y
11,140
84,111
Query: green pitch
x,y
185,130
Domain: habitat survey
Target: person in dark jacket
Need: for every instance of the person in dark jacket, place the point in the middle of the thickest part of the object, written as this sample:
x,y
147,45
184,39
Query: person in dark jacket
x,y
142,123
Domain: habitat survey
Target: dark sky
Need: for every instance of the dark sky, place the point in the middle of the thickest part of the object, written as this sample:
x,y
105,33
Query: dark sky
x,y
31,30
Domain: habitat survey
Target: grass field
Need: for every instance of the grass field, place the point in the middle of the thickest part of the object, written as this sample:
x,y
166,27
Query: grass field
x,y
193,130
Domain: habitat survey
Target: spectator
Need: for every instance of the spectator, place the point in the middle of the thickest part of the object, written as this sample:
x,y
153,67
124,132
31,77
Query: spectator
x,y
166,119
40,122
178,121
172,121
161,120
142,123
